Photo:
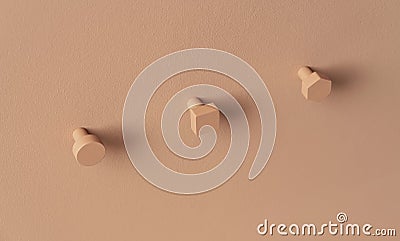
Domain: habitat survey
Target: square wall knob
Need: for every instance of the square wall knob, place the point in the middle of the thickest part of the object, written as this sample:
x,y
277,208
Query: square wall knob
x,y
203,114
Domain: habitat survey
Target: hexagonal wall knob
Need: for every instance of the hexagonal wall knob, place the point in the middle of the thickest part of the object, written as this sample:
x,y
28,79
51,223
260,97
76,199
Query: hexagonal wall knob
x,y
314,86
202,114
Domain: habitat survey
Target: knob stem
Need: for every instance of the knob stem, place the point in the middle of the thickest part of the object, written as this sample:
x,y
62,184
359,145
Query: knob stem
x,y
79,132
304,72
192,102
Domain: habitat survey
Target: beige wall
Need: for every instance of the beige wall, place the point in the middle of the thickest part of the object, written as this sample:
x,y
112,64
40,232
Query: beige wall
x,y
65,64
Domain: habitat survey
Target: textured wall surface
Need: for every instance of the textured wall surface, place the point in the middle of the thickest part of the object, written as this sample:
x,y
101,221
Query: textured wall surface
x,y
68,63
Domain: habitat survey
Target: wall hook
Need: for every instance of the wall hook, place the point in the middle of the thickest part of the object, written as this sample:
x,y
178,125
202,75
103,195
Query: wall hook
x,y
314,86
88,149
202,114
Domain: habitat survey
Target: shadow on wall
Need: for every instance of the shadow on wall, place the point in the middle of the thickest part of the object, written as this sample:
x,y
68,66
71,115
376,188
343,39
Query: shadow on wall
x,y
345,77
111,136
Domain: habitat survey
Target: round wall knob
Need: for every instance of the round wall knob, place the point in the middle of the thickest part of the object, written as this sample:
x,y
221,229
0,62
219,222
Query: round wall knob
x,y
88,149
313,85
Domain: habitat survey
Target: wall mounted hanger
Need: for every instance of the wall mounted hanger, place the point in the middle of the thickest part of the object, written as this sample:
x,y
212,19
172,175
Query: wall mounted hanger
x,y
202,114
87,149
205,103
314,86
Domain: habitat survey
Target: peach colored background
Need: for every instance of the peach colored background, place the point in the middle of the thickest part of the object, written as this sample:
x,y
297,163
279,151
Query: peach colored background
x,y
65,64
